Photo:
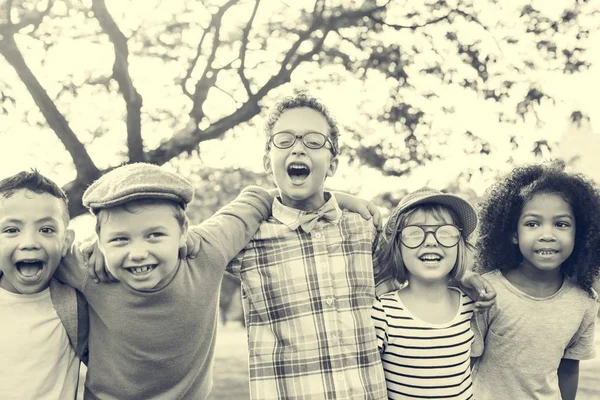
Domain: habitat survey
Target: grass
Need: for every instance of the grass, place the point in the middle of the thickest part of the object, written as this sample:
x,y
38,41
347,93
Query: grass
x,y
231,367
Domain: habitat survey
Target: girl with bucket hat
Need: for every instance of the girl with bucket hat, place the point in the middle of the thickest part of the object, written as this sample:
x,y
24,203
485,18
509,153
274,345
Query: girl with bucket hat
x,y
423,328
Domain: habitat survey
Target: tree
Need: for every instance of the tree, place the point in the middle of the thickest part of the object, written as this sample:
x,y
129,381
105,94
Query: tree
x,y
239,54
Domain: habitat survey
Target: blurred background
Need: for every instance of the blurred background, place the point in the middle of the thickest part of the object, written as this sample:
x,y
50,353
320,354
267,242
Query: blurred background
x,y
448,93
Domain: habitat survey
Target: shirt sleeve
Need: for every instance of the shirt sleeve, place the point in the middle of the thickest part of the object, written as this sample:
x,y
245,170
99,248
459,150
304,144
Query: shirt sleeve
x,y
479,325
72,270
379,318
231,228
235,265
582,346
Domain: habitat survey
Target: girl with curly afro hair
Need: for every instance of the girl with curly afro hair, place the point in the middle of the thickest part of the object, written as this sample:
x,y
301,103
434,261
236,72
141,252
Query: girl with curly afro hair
x,y
539,244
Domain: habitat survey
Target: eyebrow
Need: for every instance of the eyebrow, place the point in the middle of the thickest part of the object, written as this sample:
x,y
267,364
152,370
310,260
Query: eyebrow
x,y
296,132
554,216
20,221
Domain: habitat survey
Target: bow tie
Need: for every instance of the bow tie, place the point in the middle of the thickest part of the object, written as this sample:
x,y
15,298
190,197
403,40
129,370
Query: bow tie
x,y
309,220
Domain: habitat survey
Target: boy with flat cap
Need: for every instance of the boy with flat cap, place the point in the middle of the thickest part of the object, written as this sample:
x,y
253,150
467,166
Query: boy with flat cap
x,y
152,334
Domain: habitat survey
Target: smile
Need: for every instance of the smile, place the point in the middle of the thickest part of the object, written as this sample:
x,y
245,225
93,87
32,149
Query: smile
x,y
430,257
30,270
141,270
546,252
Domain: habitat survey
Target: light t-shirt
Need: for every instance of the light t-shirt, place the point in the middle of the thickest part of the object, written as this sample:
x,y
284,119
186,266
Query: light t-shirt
x,y
422,360
36,358
521,340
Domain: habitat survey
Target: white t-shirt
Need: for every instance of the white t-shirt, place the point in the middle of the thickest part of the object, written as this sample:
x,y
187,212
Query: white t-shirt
x,y
36,358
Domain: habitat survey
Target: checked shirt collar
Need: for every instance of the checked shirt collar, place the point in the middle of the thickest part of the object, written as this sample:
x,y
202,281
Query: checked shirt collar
x,y
292,218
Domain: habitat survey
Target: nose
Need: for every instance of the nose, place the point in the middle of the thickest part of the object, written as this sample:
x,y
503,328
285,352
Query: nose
x,y
298,147
138,252
430,240
547,235
29,241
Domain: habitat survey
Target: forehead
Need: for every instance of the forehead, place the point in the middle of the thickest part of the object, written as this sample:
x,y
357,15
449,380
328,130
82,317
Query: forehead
x,y
136,217
30,206
430,216
547,204
302,119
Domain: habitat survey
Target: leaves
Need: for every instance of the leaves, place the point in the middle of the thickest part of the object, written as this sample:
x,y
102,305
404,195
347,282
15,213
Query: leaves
x,y
161,78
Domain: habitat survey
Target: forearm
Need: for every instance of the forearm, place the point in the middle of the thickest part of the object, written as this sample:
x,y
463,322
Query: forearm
x,y
235,224
568,378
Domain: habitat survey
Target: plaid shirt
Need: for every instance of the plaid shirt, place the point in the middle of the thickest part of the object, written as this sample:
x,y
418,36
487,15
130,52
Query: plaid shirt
x,y
307,302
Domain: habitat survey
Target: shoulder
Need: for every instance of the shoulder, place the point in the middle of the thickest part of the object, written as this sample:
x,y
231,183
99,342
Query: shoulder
x,y
389,298
576,294
353,222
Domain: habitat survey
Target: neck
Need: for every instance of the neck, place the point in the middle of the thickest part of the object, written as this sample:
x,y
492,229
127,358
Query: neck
x,y
539,276
431,291
309,204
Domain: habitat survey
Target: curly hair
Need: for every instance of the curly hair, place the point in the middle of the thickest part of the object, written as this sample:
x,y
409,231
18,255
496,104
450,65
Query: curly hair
x,y
504,202
300,100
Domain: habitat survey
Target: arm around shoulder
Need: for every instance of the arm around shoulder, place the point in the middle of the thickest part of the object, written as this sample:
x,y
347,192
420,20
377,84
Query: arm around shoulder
x,y
232,227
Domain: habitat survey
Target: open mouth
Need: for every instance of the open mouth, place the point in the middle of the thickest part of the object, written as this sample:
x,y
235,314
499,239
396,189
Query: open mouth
x,y
30,269
298,172
430,258
141,270
546,252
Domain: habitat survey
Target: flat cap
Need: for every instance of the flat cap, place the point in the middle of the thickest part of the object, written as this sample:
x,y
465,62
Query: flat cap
x,y
137,181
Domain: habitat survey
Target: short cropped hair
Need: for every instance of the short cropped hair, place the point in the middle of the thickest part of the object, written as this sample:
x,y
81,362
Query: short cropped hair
x,y
37,183
302,100
133,206
387,258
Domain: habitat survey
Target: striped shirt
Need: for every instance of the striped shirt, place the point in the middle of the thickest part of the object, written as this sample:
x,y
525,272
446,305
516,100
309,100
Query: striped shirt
x,y
307,304
423,360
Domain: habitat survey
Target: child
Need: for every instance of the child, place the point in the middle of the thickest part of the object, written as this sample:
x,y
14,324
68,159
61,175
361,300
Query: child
x,y
43,333
307,275
423,329
540,229
152,335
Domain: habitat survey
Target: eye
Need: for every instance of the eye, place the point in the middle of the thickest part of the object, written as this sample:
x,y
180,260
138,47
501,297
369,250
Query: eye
x,y
562,224
118,239
47,229
530,224
10,229
155,235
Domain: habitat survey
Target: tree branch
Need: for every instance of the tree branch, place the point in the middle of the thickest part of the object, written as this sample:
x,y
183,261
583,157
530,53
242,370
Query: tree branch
x,y
85,167
133,99
34,18
209,75
243,49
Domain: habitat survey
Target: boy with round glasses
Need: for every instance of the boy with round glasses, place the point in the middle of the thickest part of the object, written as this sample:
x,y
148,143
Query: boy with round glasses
x,y
307,275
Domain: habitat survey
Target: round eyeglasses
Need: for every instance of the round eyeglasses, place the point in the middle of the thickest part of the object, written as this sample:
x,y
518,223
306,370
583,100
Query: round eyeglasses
x,y
412,236
310,140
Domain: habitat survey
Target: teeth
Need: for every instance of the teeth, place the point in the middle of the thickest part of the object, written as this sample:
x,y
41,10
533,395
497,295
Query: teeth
x,y
430,257
546,252
141,270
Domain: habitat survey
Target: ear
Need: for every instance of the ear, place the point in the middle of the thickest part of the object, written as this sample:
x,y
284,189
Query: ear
x,y
68,241
184,232
514,238
267,164
333,164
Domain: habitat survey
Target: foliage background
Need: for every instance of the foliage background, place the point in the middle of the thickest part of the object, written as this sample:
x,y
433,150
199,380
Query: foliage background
x,y
446,93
